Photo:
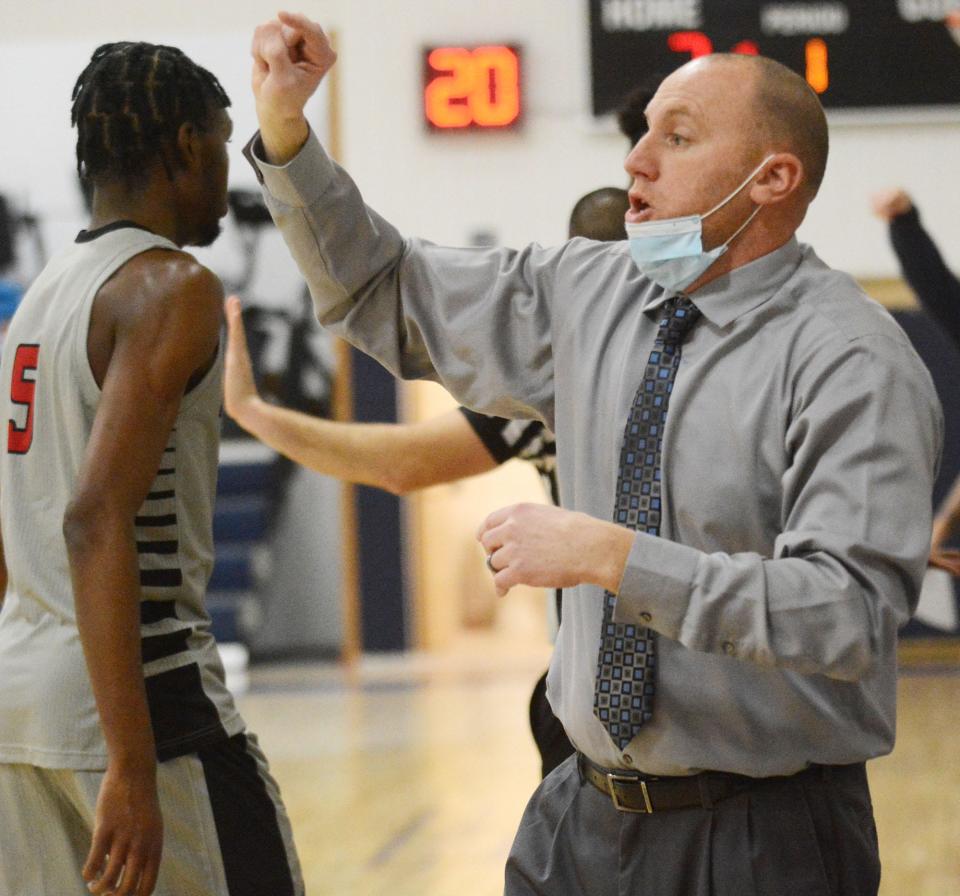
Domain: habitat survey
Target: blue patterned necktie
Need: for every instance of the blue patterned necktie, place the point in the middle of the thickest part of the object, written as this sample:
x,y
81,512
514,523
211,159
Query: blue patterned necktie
x,y
626,668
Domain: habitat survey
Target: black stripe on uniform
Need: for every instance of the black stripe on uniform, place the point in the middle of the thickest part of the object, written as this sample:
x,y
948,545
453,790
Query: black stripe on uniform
x,y
183,717
254,856
490,431
159,496
156,610
157,547
166,519
157,647
161,578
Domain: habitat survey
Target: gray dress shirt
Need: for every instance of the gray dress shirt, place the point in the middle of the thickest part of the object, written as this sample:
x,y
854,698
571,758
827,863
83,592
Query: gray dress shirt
x,y
798,462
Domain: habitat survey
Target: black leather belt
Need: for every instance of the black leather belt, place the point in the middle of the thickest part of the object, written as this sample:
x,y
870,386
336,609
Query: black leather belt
x,y
634,792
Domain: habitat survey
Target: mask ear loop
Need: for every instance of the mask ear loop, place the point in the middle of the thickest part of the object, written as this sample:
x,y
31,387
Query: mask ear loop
x,y
743,226
736,192
753,214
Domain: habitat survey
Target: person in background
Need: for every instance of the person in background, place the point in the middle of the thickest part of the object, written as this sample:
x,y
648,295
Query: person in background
x,y
123,760
632,114
405,457
746,449
599,215
938,290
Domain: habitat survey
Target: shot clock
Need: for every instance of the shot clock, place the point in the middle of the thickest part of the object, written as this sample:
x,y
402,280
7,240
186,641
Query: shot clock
x,y
472,88
860,54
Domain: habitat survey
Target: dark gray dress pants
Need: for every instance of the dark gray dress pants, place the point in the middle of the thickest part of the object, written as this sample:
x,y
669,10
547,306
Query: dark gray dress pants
x,y
808,836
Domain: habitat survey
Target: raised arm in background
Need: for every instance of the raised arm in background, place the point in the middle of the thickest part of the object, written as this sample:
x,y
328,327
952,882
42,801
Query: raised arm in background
x,y
936,286
938,291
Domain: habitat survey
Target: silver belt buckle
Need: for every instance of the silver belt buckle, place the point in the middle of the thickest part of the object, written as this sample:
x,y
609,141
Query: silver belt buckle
x,y
613,778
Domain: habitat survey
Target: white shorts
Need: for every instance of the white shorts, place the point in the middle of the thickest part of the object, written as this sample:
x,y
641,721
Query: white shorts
x,y
226,832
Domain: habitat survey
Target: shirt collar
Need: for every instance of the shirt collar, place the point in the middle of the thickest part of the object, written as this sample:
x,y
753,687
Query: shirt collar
x,y
741,290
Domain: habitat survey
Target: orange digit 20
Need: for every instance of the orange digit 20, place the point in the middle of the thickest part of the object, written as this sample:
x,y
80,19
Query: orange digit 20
x,y
472,88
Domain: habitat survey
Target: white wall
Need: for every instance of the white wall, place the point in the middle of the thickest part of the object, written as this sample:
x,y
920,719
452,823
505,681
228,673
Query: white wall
x,y
441,186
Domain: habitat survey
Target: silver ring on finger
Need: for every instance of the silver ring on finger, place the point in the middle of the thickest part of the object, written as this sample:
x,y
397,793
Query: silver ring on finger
x,y
490,565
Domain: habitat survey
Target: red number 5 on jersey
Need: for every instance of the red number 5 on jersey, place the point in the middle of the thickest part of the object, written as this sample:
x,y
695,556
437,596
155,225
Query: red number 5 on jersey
x,y
22,388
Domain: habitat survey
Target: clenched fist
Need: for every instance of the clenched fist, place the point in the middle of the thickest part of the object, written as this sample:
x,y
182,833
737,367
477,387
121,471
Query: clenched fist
x,y
291,54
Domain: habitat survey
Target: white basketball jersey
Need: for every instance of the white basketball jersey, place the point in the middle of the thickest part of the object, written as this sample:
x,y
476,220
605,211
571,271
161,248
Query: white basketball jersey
x,y
48,716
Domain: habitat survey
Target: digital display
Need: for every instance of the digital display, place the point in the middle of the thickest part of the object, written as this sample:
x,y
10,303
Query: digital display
x,y
471,87
859,54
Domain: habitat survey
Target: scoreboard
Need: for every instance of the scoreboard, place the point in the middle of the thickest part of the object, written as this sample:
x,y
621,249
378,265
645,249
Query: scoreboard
x,y
859,54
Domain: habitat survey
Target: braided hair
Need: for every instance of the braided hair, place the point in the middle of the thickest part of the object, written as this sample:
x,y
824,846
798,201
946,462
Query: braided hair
x,y
129,103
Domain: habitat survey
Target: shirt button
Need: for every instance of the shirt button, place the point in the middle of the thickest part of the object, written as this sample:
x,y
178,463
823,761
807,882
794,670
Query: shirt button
x,y
645,617
729,648
627,759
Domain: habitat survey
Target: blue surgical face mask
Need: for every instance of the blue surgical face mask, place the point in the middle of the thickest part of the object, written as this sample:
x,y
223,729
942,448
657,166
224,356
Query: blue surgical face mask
x,y
670,251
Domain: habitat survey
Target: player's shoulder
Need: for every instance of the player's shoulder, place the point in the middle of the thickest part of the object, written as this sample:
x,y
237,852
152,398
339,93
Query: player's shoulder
x,y
167,284
172,275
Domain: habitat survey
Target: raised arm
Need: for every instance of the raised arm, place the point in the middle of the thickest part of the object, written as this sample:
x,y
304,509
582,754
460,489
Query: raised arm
x,y
481,321
935,285
397,457
163,330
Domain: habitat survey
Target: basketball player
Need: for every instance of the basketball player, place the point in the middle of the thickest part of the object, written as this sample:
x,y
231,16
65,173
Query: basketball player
x,y
123,761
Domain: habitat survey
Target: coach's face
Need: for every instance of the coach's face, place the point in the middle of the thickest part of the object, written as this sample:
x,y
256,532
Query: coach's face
x,y
701,145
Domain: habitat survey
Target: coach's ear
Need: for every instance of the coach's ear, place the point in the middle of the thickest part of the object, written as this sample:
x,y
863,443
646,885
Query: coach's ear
x,y
782,177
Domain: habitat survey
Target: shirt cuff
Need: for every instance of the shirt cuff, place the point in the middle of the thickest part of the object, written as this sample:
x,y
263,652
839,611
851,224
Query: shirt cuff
x,y
656,585
301,181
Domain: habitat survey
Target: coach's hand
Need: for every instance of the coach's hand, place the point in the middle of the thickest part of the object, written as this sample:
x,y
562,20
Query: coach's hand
x,y
549,547
291,54
124,857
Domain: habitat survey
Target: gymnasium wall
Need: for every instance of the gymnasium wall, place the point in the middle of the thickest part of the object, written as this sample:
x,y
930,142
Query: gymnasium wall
x,y
445,187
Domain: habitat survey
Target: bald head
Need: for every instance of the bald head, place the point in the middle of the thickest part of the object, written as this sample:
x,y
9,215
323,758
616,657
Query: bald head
x,y
599,215
785,112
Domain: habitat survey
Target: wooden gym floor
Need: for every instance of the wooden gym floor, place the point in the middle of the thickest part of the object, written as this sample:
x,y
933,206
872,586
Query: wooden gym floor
x,y
407,776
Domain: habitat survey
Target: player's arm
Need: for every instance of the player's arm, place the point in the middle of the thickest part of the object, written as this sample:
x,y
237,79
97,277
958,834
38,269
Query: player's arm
x,y
397,457
164,333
